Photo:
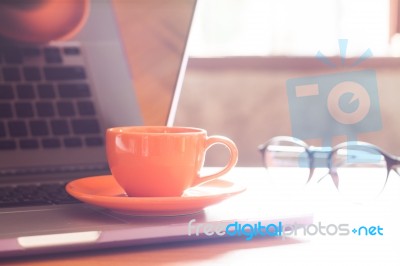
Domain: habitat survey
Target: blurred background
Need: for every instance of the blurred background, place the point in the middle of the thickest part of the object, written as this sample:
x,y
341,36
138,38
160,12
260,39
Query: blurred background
x,y
243,52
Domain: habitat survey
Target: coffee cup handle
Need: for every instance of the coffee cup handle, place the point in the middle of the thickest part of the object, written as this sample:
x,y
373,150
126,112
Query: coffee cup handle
x,y
212,140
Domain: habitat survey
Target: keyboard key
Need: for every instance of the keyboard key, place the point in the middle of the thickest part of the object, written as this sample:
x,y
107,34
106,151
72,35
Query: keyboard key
x,y
72,142
23,203
29,144
67,200
6,110
78,90
63,197
86,108
2,130
12,55
11,74
25,91
27,195
6,92
38,128
45,109
52,55
8,145
59,127
6,191
72,50
11,204
64,73
25,189
94,141
30,51
85,126
24,110
51,143
32,73
50,188
17,129
46,91
65,109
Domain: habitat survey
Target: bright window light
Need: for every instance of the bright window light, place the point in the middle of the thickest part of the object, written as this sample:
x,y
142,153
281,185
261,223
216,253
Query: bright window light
x,y
290,27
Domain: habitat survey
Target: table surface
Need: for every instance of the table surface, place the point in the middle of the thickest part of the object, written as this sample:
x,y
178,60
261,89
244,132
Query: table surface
x,y
315,249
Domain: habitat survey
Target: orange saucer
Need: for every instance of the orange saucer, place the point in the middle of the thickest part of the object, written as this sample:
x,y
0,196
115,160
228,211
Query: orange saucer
x,y
105,192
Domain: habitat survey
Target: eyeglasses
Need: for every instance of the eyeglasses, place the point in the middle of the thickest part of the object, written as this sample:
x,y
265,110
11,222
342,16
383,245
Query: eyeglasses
x,y
356,168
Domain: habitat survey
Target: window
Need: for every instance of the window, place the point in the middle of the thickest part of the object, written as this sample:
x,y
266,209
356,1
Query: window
x,y
290,27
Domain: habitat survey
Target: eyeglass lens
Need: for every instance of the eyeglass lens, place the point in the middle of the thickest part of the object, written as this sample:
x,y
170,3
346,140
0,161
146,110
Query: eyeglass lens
x,y
288,161
361,171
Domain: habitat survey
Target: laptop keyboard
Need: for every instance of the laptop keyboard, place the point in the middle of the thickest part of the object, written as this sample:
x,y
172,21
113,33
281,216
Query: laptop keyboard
x,y
46,103
32,195
45,99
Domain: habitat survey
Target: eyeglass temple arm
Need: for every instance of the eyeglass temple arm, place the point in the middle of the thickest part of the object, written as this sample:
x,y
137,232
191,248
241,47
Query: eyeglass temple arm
x,y
393,163
396,168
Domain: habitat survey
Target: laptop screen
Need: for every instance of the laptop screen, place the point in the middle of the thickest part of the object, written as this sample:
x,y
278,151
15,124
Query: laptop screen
x,y
156,50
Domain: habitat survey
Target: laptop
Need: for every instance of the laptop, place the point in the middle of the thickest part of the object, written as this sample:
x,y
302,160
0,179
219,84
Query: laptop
x,y
56,101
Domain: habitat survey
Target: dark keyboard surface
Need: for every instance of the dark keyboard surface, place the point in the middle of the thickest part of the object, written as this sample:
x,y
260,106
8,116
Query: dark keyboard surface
x,y
31,195
45,99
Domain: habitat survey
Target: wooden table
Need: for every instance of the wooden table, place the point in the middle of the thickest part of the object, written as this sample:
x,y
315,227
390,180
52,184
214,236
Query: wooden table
x,y
297,250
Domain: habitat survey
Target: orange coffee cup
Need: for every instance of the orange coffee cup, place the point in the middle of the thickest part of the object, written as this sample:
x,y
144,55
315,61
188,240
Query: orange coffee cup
x,y
159,161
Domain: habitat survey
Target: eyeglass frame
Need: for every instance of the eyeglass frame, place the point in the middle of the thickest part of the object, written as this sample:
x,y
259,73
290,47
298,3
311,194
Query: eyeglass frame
x,y
392,161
